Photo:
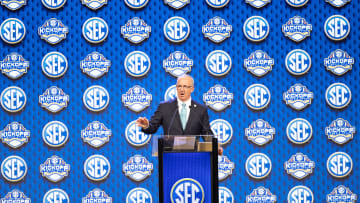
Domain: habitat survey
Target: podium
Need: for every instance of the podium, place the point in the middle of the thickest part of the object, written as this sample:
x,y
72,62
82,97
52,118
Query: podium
x,y
188,169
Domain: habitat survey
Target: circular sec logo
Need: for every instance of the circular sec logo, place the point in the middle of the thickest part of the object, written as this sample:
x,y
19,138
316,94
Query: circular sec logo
x,y
137,64
13,99
56,195
337,27
218,63
222,130
54,64
258,165
339,164
300,193
256,28
187,190
299,131
296,3
14,168
217,3
257,96
139,195
135,136
53,5
12,31
338,95
298,62
96,98
225,195
176,29
136,4
95,30
97,167
170,93
55,134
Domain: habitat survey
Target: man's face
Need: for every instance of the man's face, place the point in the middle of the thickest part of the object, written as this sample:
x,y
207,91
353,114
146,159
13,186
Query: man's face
x,y
184,88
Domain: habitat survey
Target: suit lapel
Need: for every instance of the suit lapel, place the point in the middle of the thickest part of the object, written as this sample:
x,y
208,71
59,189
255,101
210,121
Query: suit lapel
x,y
189,121
177,121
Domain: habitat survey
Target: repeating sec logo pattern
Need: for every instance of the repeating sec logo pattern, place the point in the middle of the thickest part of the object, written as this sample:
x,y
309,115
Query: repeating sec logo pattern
x,y
54,99
137,63
95,65
12,31
177,64
170,93
339,164
298,62
259,63
97,167
176,29
136,4
337,3
177,4
14,66
258,165
137,168
341,194
338,95
218,63
13,4
299,131
54,64
223,130
297,29
258,3
96,98
218,97
53,5
14,168
13,99
55,134
94,4
298,97
136,98
217,29
56,194
337,27
340,131
15,135
261,194
257,96
136,30
187,190
53,31
300,193
54,169
217,3
297,3
339,62
135,136
260,132
97,195
15,195
256,28
225,167
299,166
225,195
95,30
96,134
139,194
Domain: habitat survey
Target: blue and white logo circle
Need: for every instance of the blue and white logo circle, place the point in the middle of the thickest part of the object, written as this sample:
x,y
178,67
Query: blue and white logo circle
x,y
136,4
94,4
217,3
137,64
297,3
12,31
337,27
14,168
135,136
170,93
138,195
337,3
218,63
299,131
96,98
187,190
257,96
13,99
14,4
52,4
176,29
56,195
15,195
256,28
14,65
225,195
54,64
222,130
97,195
300,193
338,95
97,167
258,3
339,164
298,62
55,134
95,30
258,165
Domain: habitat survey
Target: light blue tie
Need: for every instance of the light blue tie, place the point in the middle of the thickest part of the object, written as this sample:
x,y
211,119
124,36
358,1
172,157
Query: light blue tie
x,y
183,112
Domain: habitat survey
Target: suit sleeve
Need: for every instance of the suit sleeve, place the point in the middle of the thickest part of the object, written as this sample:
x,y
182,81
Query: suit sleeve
x,y
155,121
206,130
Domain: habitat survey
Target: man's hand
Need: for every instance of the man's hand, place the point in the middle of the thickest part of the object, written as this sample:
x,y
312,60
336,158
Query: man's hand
x,y
220,150
142,122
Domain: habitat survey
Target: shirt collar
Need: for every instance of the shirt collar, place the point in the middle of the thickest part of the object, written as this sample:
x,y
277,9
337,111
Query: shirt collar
x,y
187,102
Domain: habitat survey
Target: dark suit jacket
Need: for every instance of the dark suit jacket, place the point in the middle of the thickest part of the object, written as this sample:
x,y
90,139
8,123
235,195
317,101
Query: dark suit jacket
x,y
167,115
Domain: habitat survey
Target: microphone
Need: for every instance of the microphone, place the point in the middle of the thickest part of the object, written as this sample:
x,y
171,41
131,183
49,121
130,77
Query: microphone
x,y
171,122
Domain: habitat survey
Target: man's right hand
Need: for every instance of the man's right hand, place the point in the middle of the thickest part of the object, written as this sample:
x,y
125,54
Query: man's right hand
x,y
142,122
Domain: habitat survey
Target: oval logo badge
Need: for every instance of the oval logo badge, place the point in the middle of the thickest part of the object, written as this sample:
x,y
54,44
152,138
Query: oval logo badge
x,y
95,65
299,166
176,29
339,164
187,190
96,98
13,99
256,28
94,4
54,169
225,167
14,66
54,99
259,63
337,27
97,167
55,134
15,195
95,30
299,131
298,62
15,135
135,136
218,97
337,3
341,194
12,31
300,193
297,29
54,64
14,168
260,132
338,95
96,134
137,64
97,195
217,3
218,63
339,62
259,194
137,168
136,98
139,195
14,5
53,31
216,29
136,4
223,130
56,195
340,131
257,96
258,165
298,97
177,64
136,30
170,93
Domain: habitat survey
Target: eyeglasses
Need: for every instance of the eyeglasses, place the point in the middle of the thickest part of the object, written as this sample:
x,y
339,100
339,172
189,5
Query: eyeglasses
x,y
183,86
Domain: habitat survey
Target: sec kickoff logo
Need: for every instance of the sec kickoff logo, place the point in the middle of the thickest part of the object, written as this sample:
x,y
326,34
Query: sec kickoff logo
x,y
259,63
297,3
12,31
51,4
14,168
297,29
136,4
298,62
97,167
337,27
14,66
258,166
218,97
300,193
54,99
170,93
337,3
95,30
299,131
13,4
177,4
13,99
338,95
136,30
137,64
261,194
260,132
134,136
340,131
137,168
15,195
341,194
56,195
96,98
218,63
256,28
258,3
53,31
177,64
339,62
225,195
217,29
15,135
217,3
187,190
54,169
176,29
94,4
54,64
222,130
136,98
339,164
298,97
138,195
257,96
55,134
225,167
96,134
299,166
95,65
97,195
